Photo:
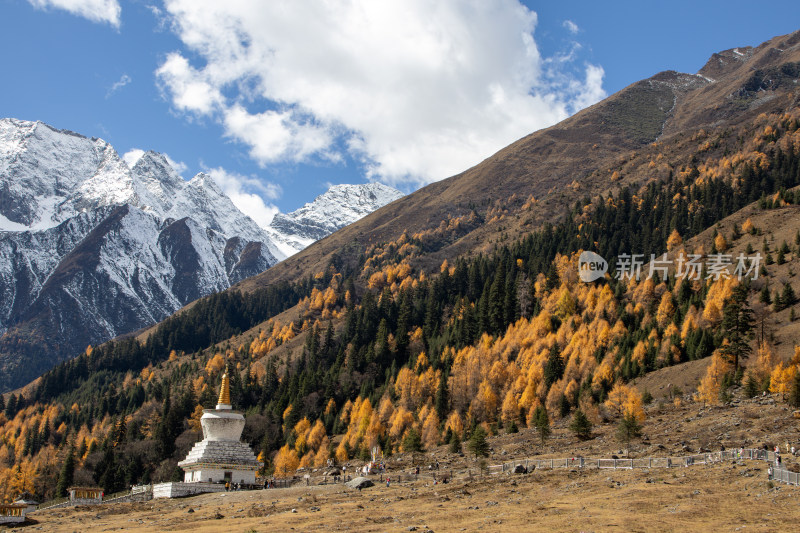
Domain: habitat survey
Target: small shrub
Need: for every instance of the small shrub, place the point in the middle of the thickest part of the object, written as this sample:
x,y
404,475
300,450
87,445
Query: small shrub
x,y
647,398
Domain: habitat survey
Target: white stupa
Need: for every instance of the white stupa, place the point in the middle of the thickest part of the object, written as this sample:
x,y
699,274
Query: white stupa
x,y
221,456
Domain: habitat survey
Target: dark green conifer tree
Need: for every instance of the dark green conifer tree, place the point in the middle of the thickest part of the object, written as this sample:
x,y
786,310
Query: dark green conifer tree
x,y
412,442
580,425
454,444
628,429
477,445
737,326
554,367
67,474
788,297
542,423
765,297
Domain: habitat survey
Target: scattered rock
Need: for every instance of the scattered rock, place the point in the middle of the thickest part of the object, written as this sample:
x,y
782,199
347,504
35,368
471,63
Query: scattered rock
x,y
190,510
360,483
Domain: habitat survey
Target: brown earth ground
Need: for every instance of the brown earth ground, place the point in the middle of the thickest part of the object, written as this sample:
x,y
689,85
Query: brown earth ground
x,y
727,496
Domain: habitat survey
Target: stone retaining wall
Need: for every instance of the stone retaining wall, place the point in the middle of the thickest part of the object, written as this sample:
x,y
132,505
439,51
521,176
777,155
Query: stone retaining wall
x,y
178,490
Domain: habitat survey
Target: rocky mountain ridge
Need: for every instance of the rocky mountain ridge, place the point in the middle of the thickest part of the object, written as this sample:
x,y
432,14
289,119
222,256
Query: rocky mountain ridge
x,y
91,249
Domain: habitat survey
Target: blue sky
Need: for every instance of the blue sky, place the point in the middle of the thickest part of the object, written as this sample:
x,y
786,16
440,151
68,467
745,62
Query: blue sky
x,y
280,100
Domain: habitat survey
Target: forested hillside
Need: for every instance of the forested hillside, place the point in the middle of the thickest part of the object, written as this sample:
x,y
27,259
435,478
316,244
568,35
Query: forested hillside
x,y
460,306
383,353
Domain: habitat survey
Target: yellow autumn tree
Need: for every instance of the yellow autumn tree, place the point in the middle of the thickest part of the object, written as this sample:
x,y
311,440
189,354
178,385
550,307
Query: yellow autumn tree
x,y
764,363
341,452
720,243
484,406
617,398
455,424
215,364
666,310
286,461
400,420
711,384
194,420
510,412
781,379
301,430
674,240
625,400
323,453
430,430
330,407
286,413
633,405
316,435
24,477
565,306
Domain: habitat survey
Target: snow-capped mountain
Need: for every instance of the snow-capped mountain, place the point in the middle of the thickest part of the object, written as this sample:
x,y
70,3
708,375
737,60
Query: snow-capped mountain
x,y
340,206
91,248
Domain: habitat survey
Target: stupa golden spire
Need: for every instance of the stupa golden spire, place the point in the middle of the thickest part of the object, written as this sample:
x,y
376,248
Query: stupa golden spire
x,y
225,389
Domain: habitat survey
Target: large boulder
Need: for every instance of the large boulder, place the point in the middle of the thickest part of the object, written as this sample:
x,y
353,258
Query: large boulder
x,y
359,483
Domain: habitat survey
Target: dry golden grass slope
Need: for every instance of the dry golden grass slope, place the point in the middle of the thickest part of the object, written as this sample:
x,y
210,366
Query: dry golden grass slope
x,y
572,159
727,496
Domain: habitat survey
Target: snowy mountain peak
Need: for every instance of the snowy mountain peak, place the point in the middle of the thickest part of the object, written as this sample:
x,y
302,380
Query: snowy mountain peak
x,y
92,247
336,208
204,181
156,164
157,182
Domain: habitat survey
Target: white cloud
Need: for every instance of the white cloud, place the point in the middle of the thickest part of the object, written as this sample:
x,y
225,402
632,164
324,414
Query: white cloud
x,y
571,27
162,22
132,156
119,84
416,90
273,135
94,10
591,90
247,194
179,166
189,91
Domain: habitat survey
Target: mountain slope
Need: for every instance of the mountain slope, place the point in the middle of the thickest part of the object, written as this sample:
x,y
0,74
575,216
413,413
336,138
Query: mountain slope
x,y
578,157
440,313
338,207
91,249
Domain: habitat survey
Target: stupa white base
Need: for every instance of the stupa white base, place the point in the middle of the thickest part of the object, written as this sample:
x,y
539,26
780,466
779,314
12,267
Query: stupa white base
x,y
245,477
220,457
179,490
